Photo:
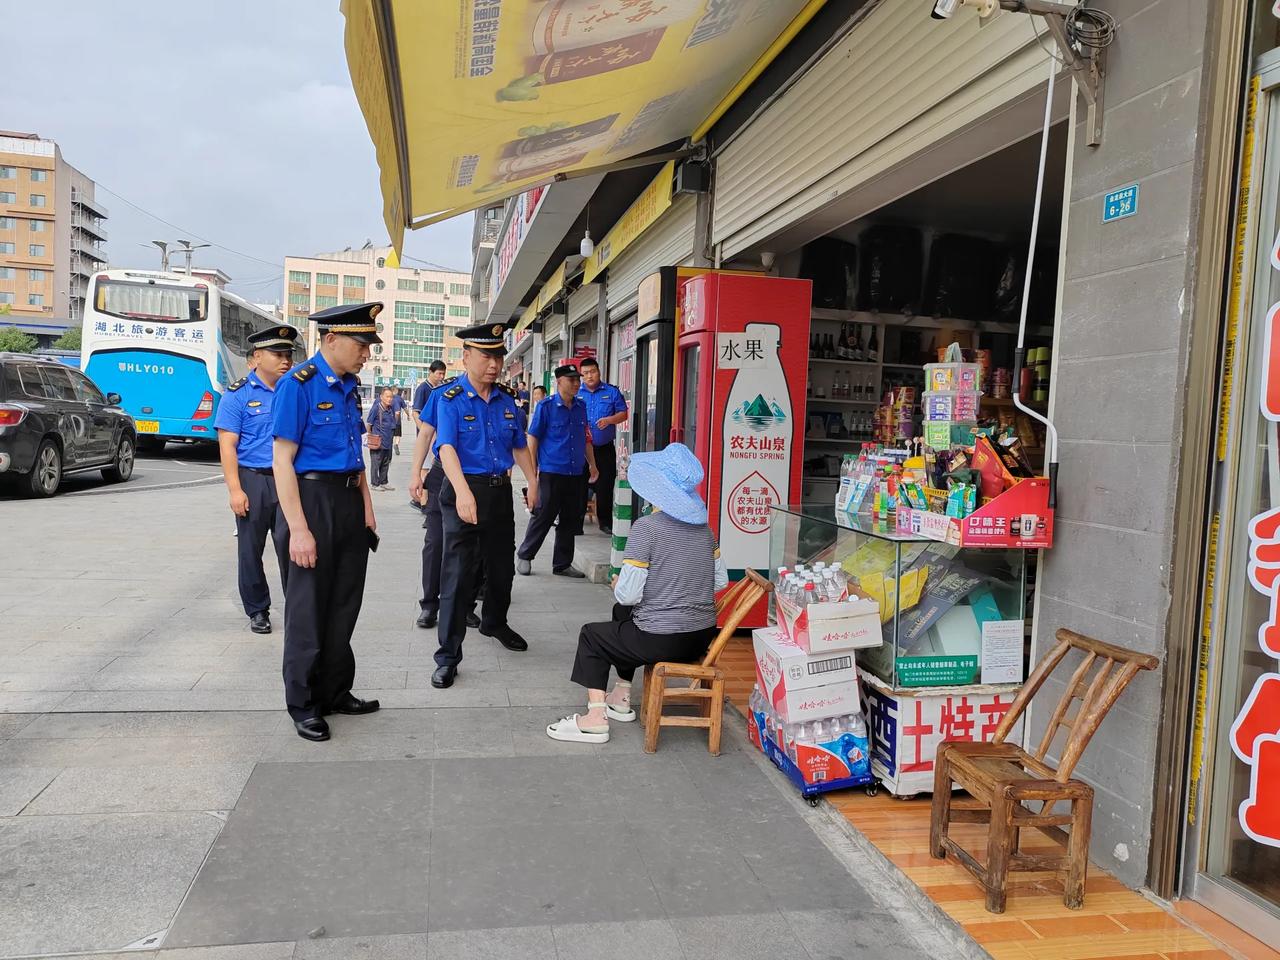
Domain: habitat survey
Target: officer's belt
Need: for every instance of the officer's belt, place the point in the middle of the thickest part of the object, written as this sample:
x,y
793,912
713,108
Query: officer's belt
x,y
488,479
337,479
265,471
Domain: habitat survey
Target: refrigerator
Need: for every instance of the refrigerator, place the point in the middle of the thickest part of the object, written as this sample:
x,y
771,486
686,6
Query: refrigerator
x,y
741,374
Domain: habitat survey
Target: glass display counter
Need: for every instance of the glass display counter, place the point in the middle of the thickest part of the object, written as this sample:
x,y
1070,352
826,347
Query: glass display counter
x,y
953,626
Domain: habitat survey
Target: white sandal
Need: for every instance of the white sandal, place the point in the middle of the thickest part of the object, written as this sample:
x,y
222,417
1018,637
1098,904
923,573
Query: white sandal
x,y
567,729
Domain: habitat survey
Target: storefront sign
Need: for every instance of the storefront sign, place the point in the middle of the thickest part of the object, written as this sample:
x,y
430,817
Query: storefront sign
x,y
395,381
506,94
642,214
1121,203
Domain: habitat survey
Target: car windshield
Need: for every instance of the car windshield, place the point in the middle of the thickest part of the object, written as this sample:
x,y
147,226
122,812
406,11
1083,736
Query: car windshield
x,y
150,301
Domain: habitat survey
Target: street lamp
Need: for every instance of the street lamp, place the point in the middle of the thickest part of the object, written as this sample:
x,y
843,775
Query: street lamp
x,y
164,254
188,249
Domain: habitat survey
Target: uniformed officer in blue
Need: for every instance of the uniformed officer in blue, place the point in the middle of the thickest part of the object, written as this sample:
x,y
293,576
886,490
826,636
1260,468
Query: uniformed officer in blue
x,y
480,433
324,495
606,408
244,424
560,441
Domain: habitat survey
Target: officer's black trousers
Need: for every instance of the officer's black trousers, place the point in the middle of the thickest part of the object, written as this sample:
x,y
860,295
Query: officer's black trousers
x,y
488,545
559,502
251,538
607,466
323,602
433,544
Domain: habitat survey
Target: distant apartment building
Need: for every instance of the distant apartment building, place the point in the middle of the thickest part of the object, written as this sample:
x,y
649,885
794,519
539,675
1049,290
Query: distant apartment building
x,y
425,308
50,231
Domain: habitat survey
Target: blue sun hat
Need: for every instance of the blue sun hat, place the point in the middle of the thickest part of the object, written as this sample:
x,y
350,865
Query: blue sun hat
x,y
669,480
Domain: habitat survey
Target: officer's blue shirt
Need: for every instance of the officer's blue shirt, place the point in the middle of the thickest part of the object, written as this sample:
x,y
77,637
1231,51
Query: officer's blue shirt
x,y
604,401
383,420
321,414
247,411
430,407
561,431
483,434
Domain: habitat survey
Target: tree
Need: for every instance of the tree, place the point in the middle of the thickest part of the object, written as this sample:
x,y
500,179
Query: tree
x,y
69,340
13,340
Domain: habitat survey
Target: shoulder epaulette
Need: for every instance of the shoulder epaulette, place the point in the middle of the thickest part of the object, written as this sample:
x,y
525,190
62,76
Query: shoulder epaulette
x,y
509,391
445,383
303,374
453,391
238,384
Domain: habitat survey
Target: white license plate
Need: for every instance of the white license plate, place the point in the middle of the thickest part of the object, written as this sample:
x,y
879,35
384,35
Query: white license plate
x,y
148,426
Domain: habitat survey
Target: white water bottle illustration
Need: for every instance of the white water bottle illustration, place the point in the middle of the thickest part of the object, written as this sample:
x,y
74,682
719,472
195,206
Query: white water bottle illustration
x,y
756,449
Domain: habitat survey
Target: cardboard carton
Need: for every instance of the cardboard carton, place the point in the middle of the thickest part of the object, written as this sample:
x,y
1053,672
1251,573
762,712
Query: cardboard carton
x,y
800,686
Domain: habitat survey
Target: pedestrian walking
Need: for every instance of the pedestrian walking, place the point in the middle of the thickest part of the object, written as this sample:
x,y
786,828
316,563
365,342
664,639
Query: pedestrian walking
x,y
480,436
666,593
244,424
536,396
606,408
561,444
421,393
324,496
397,407
383,419
426,487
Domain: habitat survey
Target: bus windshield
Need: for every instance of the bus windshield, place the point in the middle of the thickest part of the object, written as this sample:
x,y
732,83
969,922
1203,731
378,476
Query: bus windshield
x,y
151,301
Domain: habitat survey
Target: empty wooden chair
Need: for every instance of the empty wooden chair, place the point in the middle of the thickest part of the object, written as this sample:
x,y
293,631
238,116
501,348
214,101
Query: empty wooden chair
x,y
1003,780
706,680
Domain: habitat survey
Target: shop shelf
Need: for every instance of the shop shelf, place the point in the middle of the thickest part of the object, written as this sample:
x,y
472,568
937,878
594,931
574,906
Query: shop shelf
x,y
845,363
1007,402
841,402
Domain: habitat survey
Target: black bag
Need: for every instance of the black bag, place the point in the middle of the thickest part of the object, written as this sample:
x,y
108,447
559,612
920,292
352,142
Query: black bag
x,y
960,278
1007,297
832,265
889,280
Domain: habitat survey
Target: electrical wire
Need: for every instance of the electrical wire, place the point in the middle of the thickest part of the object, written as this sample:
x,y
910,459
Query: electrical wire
x,y
129,203
1090,29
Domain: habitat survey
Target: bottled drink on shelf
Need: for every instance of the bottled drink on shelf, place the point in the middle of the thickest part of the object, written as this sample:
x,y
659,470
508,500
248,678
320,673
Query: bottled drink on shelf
x,y
856,348
815,347
873,347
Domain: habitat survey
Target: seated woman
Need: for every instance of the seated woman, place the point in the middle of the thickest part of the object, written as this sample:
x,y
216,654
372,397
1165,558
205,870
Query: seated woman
x,y
666,594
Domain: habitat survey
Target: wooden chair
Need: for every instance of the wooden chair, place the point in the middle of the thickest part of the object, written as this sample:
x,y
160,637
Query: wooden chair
x,y
1003,779
706,680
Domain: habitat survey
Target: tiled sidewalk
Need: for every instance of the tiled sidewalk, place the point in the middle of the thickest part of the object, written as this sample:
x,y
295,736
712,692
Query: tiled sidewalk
x,y
1115,922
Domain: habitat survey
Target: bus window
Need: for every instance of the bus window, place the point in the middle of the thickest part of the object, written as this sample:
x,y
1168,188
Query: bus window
x,y
150,301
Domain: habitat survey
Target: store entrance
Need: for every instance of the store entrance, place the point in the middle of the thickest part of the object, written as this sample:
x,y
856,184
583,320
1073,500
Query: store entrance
x,y
893,289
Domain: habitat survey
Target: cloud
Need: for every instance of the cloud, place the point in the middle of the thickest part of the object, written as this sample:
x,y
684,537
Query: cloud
x,y
235,120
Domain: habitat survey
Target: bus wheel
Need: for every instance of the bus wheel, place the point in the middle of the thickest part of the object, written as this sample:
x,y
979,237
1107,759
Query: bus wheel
x,y
150,445
46,473
121,468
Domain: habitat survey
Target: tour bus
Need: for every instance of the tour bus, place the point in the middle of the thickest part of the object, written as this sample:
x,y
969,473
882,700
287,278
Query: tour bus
x,y
169,344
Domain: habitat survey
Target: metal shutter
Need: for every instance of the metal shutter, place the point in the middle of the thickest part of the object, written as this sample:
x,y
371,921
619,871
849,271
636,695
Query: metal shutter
x,y
896,84
583,303
668,243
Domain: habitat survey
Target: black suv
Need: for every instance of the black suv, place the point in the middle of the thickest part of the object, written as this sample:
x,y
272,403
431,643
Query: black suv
x,y
54,420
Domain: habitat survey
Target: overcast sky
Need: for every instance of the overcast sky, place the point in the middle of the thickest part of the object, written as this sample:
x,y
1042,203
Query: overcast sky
x,y
234,120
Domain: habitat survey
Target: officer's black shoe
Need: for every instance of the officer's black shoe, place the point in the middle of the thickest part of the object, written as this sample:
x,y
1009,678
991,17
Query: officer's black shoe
x,y
260,622
443,677
570,572
353,706
473,621
428,619
312,728
508,638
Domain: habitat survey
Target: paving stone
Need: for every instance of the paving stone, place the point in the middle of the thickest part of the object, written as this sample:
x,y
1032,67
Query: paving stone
x,y
508,875
20,785
852,934
628,940
350,745
243,951
364,948
132,751
108,880
147,789
167,701
12,724
512,943
759,936
31,702
532,791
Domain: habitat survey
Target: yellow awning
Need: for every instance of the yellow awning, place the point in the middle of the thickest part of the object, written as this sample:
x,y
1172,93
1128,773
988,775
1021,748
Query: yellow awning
x,y
472,101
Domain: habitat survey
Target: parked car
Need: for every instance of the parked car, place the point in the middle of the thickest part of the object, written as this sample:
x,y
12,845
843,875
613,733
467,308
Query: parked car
x,y
53,421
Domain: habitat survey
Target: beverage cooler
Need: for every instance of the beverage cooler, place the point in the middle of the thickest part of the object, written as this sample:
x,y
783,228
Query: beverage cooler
x,y
741,368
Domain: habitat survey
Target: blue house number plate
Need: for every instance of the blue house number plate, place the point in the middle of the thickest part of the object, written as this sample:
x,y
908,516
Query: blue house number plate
x,y
1121,203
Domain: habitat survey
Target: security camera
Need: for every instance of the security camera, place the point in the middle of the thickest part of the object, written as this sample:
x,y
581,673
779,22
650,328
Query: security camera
x,y
946,9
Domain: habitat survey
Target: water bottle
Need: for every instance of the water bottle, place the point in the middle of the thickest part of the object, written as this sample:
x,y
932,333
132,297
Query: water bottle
x,y
837,569
810,594
819,567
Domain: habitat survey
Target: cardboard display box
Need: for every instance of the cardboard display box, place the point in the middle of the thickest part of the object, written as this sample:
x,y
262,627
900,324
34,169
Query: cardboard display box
x,y
799,686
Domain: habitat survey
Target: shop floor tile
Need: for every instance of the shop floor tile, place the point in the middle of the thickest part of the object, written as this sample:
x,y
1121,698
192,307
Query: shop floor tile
x,y
1115,921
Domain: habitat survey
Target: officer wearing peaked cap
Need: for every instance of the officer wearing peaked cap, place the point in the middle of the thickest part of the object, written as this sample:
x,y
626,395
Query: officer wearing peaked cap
x,y
324,496
244,424
480,432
